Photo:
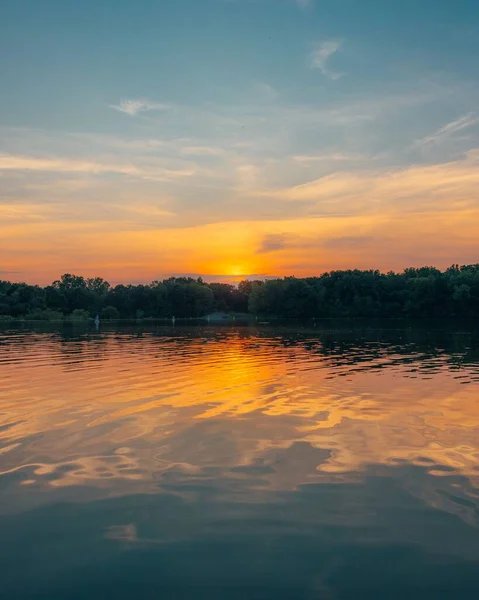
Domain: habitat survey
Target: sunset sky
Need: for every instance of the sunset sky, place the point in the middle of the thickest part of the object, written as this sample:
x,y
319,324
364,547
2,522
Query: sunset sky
x,y
230,138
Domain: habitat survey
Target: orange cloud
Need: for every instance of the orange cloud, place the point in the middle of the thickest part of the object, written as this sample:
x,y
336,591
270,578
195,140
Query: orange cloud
x,y
387,220
44,250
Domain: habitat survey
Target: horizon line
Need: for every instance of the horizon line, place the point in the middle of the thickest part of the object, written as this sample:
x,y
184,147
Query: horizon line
x,y
236,279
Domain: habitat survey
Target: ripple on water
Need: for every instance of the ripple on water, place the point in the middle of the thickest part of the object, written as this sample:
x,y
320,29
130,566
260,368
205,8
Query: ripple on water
x,y
374,437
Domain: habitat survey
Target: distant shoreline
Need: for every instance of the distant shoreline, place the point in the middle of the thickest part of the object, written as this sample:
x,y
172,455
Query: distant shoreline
x,y
423,292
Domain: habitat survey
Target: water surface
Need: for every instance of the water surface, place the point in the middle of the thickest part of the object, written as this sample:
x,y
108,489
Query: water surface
x,y
239,462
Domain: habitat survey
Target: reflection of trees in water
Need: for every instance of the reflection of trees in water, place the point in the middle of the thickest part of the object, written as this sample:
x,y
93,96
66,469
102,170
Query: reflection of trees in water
x,y
350,345
209,414
355,346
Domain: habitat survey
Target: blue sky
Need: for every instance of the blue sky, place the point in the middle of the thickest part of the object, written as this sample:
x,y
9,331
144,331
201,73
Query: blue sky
x,y
313,121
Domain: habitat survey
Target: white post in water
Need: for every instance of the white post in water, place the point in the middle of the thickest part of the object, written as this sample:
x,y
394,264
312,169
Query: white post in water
x,y
97,322
173,320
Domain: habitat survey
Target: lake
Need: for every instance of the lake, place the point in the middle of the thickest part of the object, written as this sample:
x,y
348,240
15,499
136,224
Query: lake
x,y
339,461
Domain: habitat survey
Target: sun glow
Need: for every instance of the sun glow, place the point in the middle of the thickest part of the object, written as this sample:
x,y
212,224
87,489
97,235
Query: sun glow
x,y
232,269
237,271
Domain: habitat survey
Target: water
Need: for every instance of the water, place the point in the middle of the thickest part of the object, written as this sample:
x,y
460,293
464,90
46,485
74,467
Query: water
x,y
239,462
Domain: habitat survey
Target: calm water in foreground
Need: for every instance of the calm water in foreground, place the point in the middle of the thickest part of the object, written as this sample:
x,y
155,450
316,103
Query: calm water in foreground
x,y
242,462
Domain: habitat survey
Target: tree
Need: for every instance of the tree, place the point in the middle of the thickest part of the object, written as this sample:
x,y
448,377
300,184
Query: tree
x,y
110,312
416,292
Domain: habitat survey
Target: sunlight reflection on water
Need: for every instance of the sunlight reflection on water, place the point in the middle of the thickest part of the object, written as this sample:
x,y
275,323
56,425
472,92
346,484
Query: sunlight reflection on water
x,y
237,437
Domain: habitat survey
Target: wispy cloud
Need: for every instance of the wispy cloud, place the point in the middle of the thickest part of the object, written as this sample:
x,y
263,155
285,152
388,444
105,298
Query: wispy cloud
x,y
448,130
273,242
267,91
321,55
133,107
419,188
349,241
153,171
328,158
202,151
10,162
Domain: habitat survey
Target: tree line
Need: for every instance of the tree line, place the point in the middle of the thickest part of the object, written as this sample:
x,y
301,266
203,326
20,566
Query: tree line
x,y
415,292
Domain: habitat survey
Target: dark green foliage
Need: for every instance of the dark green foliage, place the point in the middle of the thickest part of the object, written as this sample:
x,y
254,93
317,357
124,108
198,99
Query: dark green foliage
x,y
18,299
79,314
188,297
44,315
228,298
110,312
416,292
420,293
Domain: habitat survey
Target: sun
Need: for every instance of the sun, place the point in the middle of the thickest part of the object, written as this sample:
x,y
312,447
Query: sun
x,y
232,270
236,271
